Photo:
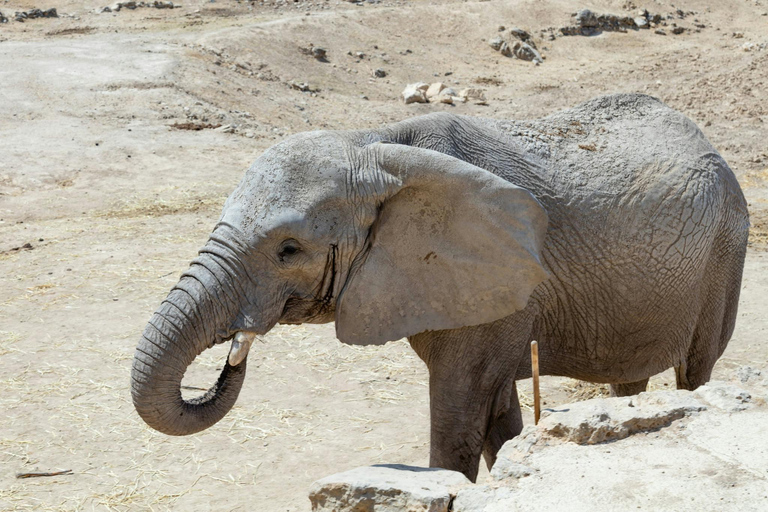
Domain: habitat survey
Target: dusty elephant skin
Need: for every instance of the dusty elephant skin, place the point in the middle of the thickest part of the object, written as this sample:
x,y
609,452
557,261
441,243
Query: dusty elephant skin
x,y
613,233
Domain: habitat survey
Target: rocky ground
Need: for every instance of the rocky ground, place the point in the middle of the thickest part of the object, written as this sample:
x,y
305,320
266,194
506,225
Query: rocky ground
x,y
123,130
662,450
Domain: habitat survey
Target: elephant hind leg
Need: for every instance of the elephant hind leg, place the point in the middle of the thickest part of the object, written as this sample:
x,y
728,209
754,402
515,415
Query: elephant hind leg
x,y
717,318
629,388
502,428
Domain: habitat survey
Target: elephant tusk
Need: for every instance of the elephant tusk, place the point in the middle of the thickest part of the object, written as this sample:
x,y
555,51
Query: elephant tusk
x,y
241,344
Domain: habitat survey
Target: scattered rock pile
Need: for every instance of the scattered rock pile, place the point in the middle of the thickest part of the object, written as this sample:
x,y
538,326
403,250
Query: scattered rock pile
x,y
136,5
438,92
520,45
588,23
608,440
31,14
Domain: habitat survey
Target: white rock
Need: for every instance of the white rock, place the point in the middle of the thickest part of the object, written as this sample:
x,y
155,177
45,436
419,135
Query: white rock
x,y
598,420
387,488
434,90
475,95
415,93
505,468
483,498
724,396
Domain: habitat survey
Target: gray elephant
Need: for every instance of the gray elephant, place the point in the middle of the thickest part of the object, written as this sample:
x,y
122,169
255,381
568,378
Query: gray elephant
x,y
613,233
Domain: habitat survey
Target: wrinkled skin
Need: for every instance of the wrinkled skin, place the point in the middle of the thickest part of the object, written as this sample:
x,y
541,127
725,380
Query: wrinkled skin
x,y
612,233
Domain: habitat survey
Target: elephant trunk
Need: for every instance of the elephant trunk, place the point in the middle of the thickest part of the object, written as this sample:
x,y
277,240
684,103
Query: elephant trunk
x,y
197,313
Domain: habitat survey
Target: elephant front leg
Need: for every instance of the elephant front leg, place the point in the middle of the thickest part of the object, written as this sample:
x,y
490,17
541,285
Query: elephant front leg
x,y
473,399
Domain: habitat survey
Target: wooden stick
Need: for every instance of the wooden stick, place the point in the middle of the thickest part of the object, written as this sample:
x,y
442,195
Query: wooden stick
x,y
33,475
535,367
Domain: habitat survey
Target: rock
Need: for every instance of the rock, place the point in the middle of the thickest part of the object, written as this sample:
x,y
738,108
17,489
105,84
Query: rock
x,y
104,9
586,18
3,19
163,5
524,51
475,95
505,468
227,128
379,73
415,93
319,53
434,90
678,30
724,396
660,32
642,22
484,498
387,488
496,43
505,49
302,86
520,34
35,13
599,420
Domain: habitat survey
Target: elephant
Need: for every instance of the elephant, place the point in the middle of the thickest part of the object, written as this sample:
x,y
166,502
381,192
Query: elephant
x,y
613,233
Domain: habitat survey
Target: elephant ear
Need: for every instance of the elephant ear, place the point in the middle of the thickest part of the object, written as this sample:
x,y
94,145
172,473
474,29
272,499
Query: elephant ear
x,y
453,245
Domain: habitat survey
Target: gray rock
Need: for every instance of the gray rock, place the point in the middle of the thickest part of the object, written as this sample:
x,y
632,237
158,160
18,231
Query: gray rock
x,y
319,53
724,396
3,19
496,43
379,73
387,488
642,22
524,51
505,49
520,34
586,18
599,420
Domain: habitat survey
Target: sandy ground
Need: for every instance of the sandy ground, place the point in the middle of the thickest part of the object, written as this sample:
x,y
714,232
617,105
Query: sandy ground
x,y
103,203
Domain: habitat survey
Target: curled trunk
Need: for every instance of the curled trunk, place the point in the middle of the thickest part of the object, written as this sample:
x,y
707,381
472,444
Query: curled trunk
x,y
196,313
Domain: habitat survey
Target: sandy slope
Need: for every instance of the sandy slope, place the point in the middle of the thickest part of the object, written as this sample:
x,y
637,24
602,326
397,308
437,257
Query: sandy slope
x,y
114,202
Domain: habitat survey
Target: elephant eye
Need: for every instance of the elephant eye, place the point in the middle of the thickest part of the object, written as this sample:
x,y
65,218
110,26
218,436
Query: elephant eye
x,y
288,249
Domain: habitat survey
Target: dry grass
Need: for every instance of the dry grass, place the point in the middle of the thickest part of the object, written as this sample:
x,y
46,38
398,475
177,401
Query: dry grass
x,y
169,201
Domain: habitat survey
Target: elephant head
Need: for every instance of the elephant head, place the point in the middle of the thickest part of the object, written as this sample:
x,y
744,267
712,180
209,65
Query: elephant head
x,y
388,240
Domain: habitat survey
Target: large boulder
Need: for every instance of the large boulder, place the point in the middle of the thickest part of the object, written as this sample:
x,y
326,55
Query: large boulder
x,y
387,488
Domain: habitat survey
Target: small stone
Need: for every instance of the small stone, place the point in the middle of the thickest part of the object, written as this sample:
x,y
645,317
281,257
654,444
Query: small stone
x,y
524,51
678,30
379,73
586,18
505,49
520,34
642,22
496,43
475,95
415,93
319,53
660,32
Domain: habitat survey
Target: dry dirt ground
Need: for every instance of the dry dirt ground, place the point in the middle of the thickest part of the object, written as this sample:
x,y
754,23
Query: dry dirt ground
x,y
103,202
